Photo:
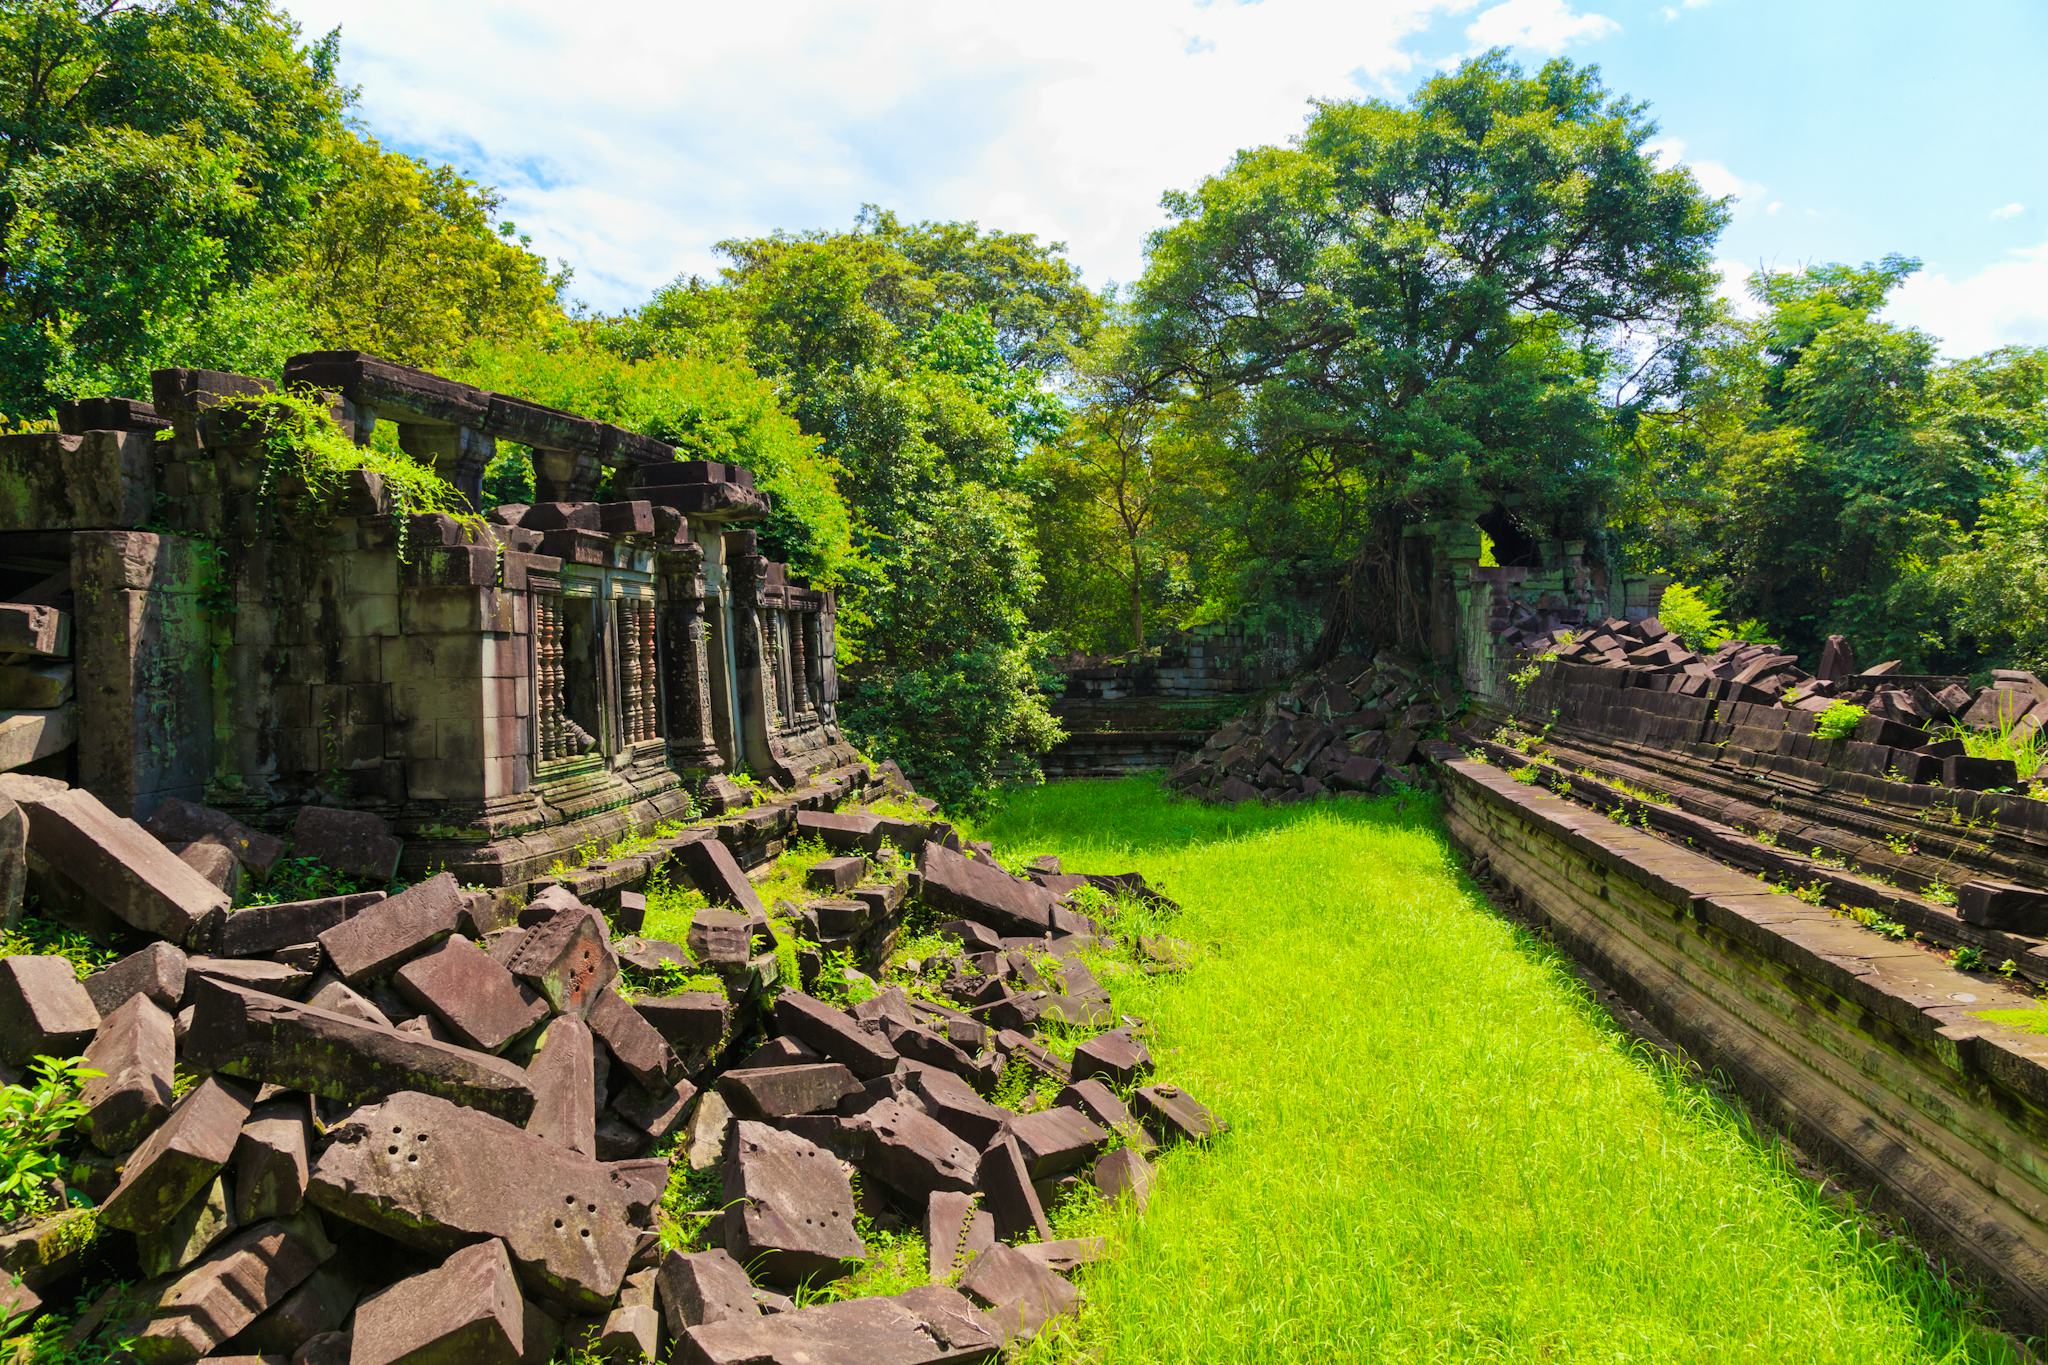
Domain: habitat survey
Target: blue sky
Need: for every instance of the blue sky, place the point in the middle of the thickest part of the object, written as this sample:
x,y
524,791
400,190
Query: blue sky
x,y
629,138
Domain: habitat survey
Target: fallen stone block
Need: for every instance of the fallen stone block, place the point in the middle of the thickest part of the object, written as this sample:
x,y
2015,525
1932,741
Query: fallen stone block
x,y
301,1047
28,736
651,955
1171,1115
433,1174
778,1091
475,998
186,1235
930,1325
721,939
834,1034
632,1330
711,868
710,1124
789,1207
44,1012
955,1232
157,971
211,1303
180,1158
696,1289
273,976
1008,1194
135,1052
954,1103
693,1022
355,843
847,833
35,687
631,1040
1069,1254
1115,1056
1095,1099
272,1161
467,1309
836,874
567,957
2003,905
178,821
1020,1294
563,1077
336,997
380,937
214,861
912,1153
1055,1141
650,1115
258,929
117,865
320,1305
957,885
27,628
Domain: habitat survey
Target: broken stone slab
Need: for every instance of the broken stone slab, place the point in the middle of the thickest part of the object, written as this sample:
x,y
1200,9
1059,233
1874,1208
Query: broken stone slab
x,y
1068,1254
330,993
836,874
1007,1192
953,1102
957,885
2003,905
693,1022
178,821
135,1052
930,1325
780,1091
302,1047
710,1123
789,1207
355,843
632,1041
1020,1294
474,997
711,868
1055,1141
214,1300
381,936
1171,1115
115,863
272,1161
468,1309
28,736
721,939
27,628
258,929
44,1011
912,1153
1115,1056
955,1232
842,833
183,1239
567,957
157,971
1095,1099
320,1305
696,1289
632,1330
433,1174
276,977
651,955
563,1076
35,686
177,1161
835,1034
653,1115
213,860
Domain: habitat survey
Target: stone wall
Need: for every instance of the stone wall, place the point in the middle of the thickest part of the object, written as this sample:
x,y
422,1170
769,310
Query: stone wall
x,y
1871,1052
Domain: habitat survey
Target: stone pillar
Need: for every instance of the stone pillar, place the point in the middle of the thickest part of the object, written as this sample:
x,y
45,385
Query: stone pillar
x,y
458,454
686,664
565,475
799,661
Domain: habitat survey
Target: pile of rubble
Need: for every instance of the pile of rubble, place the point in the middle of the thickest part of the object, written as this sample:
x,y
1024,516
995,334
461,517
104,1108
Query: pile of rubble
x,y
1902,710
1347,727
441,1125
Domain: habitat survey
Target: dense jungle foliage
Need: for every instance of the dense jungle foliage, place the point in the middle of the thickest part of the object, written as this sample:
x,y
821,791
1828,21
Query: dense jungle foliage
x,y
1487,299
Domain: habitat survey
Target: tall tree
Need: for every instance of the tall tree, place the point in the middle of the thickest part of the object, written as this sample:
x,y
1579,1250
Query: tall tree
x,y
1426,308
156,159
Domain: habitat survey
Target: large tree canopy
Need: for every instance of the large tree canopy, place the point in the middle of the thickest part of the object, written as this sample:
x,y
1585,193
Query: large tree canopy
x,y
1426,308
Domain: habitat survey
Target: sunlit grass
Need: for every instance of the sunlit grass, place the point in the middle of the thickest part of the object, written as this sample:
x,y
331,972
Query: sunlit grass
x,y
1440,1148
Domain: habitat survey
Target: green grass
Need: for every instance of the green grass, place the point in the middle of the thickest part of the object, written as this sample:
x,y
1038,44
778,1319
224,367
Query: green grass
x,y
1441,1149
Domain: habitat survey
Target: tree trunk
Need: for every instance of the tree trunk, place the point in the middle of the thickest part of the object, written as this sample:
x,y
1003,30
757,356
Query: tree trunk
x,y
1137,600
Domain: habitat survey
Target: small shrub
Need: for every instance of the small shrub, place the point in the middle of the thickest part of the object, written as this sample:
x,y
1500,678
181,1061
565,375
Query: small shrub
x,y
1687,614
1940,892
1839,721
1969,958
34,1120
34,936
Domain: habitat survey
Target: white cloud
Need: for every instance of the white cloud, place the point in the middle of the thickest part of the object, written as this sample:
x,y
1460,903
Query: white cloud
x,y
2009,211
1540,25
1773,208
630,138
1714,177
1734,287
1671,12
2004,304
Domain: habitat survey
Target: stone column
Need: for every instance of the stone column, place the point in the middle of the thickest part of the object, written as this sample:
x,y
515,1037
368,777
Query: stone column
x,y
458,454
686,663
565,475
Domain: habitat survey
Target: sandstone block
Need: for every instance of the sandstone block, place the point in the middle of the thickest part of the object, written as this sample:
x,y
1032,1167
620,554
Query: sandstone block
x,y
772,1092
466,1311
227,1291
157,971
1020,1294
712,870
44,1012
834,1034
380,937
696,1289
180,1158
790,1207
475,997
257,929
912,1153
631,1040
135,1052
356,843
178,821
119,866
563,1076
567,958
272,1161
925,1326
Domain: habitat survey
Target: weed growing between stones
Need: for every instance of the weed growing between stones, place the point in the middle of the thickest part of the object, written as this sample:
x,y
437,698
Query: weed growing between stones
x,y
34,1118
32,935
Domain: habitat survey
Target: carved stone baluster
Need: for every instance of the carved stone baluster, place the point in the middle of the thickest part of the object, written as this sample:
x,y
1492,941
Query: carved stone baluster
x,y
650,675
548,675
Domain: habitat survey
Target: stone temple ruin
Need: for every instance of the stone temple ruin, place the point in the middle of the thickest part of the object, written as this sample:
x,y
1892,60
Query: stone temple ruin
x,y
480,1109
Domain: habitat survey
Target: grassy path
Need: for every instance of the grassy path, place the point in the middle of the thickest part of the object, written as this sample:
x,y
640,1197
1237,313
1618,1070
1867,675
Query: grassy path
x,y
1441,1149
